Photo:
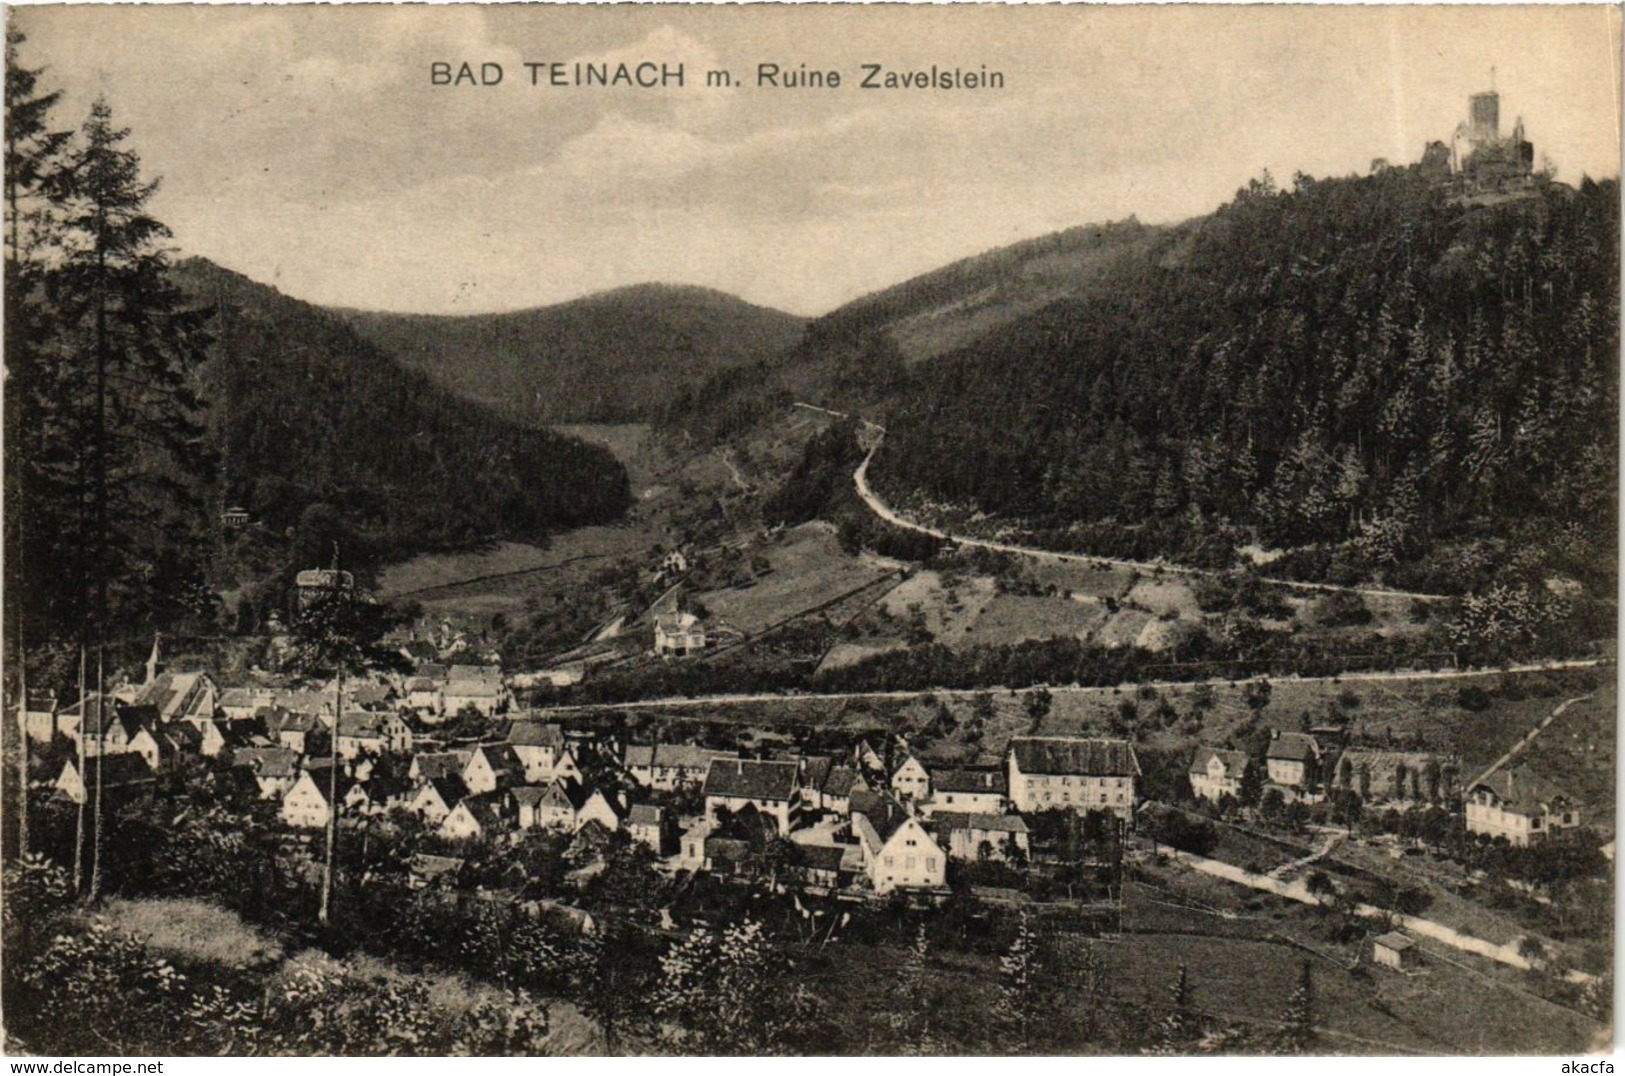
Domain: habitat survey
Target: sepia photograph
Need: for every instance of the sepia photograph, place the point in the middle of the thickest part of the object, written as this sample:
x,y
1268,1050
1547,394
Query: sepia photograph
x,y
688,530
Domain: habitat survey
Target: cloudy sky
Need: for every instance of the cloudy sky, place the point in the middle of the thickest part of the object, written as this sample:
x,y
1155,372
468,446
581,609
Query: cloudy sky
x,y
307,148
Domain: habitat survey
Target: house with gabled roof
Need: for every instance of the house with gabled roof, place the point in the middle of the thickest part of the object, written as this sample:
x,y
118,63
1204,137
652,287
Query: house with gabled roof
x,y
898,852
243,703
967,791
1293,760
372,732
437,797
422,695
275,769
39,718
772,788
179,696
653,827
678,633
159,750
105,725
976,836
477,687
542,751
305,805
1520,805
289,728
493,766
486,816
122,777
670,766
1216,772
1073,773
427,765
911,780
836,792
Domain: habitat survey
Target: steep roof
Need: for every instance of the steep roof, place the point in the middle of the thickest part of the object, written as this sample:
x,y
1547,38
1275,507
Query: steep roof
x,y
117,771
500,757
368,723
527,795
450,789
527,733
1234,761
486,809
1075,755
865,801
645,814
969,781
815,771
821,857
1521,790
840,781
1293,747
991,823
432,764
752,779
687,756
267,761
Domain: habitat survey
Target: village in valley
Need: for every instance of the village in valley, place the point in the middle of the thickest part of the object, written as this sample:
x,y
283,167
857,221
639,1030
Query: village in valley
x,y
1192,638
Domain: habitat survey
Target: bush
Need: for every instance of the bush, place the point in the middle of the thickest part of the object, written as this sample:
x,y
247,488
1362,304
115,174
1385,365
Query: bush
x,y
1473,699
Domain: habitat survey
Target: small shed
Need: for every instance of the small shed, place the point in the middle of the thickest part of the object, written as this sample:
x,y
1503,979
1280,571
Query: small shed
x,y
1394,950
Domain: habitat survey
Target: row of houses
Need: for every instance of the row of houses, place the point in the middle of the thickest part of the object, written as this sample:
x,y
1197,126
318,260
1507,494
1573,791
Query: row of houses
x,y
1515,803
852,819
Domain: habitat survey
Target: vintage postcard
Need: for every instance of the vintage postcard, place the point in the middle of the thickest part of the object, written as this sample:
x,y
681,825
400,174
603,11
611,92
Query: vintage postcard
x,y
813,529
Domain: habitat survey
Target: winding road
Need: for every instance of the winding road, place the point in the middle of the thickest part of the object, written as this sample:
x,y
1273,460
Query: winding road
x,y
860,479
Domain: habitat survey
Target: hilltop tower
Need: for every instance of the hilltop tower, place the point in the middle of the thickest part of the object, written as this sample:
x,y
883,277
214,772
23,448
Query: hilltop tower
x,y
1481,161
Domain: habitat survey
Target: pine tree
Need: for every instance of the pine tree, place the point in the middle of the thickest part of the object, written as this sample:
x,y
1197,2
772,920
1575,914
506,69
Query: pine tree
x,y
336,634
33,155
1180,1023
912,1000
1299,1015
1019,972
130,349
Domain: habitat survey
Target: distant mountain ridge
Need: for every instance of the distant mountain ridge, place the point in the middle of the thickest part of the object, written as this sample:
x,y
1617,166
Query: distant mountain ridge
x,y
304,412
615,356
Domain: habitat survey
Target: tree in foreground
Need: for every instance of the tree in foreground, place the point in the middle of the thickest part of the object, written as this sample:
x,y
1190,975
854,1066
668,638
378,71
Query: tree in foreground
x,y
730,993
336,634
1299,1016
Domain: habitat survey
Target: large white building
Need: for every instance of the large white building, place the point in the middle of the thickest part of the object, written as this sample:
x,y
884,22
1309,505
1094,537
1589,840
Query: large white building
x,y
897,851
1520,805
1072,773
1216,772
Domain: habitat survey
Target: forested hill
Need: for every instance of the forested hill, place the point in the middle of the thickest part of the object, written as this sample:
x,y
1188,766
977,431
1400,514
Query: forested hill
x,y
612,357
858,355
304,412
1392,383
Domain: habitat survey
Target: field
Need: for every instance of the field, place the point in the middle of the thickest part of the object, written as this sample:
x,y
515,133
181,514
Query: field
x,y
1243,953
1243,958
808,570
499,580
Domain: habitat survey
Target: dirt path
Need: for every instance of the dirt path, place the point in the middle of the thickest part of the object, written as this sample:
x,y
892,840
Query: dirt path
x,y
744,699
1529,736
1331,842
1299,891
